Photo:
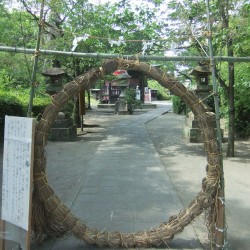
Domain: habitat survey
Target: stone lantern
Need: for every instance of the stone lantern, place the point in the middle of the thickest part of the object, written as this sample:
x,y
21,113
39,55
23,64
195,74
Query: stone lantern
x,y
203,89
54,79
201,73
63,128
121,107
191,130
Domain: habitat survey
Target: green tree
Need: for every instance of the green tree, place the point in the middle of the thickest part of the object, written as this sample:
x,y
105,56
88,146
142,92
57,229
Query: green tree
x,y
126,28
18,30
108,28
227,39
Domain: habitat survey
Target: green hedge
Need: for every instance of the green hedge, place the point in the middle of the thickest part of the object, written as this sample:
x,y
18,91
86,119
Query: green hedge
x,y
9,105
179,106
39,104
242,109
16,105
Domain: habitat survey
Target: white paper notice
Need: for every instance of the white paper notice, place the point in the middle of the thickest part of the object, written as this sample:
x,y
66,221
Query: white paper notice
x,y
17,162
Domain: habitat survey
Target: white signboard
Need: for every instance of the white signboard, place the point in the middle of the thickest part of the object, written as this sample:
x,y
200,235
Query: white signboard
x,y
17,169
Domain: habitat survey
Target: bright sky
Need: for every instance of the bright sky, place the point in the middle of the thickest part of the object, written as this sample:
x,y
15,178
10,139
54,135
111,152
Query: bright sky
x,y
113,1
134,2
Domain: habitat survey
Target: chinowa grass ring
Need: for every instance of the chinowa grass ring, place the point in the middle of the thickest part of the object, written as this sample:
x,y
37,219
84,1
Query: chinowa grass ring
x,y
52,217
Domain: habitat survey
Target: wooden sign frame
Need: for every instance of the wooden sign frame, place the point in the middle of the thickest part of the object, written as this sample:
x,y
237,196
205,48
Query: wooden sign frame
x,y
17,184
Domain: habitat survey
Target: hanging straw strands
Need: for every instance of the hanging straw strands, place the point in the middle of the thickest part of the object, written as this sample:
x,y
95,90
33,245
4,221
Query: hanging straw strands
x,y
52,214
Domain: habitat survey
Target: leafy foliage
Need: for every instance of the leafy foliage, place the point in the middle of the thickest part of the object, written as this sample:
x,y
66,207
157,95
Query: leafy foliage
x,y
242,105
242,100
9,105
125,28
130,98
17,28
162,93
179,106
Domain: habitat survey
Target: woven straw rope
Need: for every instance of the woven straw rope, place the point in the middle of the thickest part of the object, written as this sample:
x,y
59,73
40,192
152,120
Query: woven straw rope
x,y
59,216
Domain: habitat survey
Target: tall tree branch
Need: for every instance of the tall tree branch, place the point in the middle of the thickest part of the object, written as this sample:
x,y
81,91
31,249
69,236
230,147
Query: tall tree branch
x,y
222,82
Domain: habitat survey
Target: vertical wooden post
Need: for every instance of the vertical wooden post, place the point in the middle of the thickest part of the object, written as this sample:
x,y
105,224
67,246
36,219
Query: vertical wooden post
x,y
82,110
18,159
142,85
109,90
2,231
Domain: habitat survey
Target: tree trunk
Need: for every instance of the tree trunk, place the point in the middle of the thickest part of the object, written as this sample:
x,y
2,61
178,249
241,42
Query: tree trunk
x,y
224,6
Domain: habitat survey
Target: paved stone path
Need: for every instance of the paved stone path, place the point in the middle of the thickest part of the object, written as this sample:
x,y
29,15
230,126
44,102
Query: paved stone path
x,y
133,172
123,187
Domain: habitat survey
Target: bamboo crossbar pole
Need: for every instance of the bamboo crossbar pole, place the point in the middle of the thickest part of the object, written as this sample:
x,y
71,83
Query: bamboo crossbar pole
x,y
129,57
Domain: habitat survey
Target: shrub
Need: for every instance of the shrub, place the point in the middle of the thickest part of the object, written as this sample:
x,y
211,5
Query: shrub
x,y
162,92
179,106
15,103
130,98
39,104
242,109
9,105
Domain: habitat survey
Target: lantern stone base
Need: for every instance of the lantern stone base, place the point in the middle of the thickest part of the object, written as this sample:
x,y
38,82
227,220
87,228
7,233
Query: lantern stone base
x,y
123,112
191,132
63,134
63,129
192,135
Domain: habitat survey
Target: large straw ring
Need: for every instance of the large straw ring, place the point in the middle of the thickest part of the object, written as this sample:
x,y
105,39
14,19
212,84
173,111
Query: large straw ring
x,y
60,217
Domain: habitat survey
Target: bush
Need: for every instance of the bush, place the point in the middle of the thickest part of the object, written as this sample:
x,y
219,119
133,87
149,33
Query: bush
x,y
39,104
162,92
161,96
130,98
9,105
242,109
15,103
179,106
